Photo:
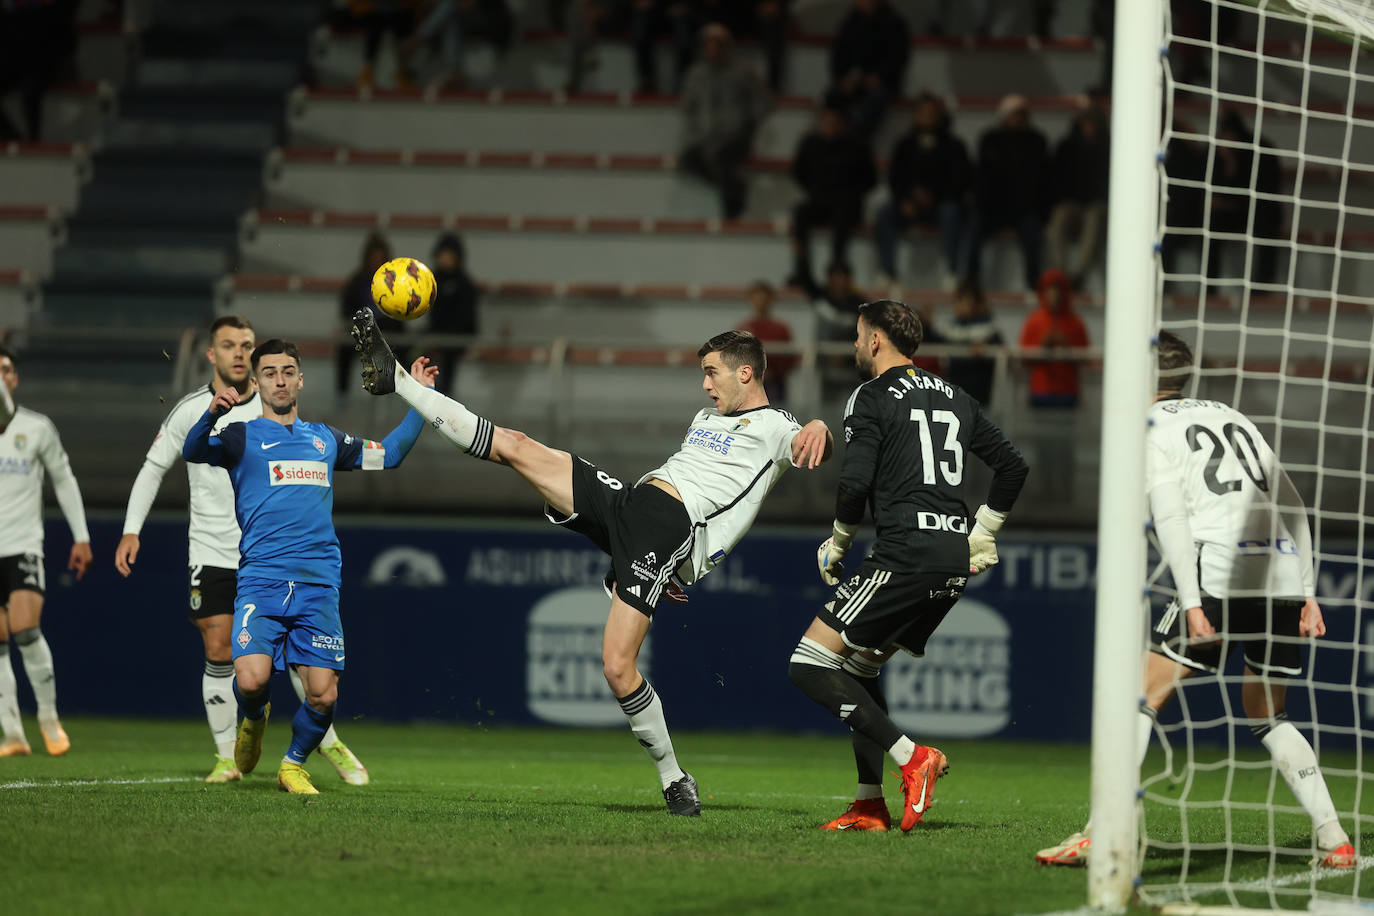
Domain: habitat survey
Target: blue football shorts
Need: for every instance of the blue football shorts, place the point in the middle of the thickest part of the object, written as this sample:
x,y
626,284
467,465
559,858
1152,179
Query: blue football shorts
x,y
297,623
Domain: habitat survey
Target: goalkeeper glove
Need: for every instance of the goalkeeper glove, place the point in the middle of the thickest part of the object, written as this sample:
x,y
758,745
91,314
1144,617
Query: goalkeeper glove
x,y
982,543
830,555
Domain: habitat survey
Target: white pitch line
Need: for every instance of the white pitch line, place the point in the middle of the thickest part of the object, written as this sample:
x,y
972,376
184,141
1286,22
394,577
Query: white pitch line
x,y
1263,884
70,783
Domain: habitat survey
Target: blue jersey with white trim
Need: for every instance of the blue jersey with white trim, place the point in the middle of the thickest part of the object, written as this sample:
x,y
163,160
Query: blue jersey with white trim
x,y
283,479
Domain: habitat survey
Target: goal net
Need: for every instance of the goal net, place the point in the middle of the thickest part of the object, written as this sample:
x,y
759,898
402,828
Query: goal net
x,y
1265,266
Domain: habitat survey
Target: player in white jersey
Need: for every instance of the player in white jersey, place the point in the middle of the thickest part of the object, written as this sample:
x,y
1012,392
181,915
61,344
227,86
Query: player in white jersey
x,y
671,527
29,446
1233,530
213,554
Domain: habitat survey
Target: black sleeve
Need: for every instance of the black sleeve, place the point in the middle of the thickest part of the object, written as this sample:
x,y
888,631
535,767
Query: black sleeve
x,y
1008,467
862,438
350,450
232,439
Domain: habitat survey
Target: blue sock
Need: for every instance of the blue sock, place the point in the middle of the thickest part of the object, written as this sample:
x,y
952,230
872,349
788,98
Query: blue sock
x,y
307,728
251,707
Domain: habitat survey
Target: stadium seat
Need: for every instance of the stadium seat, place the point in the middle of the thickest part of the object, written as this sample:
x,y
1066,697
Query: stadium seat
x,y
525,183
48,174
944,67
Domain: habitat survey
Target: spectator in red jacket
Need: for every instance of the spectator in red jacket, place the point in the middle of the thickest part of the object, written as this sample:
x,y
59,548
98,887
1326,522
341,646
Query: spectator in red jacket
x,y
770,330
1054,382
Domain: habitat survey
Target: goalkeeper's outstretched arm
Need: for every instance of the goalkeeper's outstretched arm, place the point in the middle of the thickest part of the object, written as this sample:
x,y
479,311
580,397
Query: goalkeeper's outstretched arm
x,y
1009,471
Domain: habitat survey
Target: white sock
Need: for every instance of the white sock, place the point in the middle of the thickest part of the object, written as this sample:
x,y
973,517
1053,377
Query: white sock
x,y
645,711
902,751
457,424
221,709
1144,727
330,736
10,722
868,791
1297,763
38,667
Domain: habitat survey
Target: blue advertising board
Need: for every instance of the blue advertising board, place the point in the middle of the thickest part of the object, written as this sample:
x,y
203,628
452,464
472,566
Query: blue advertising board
x,y
501,623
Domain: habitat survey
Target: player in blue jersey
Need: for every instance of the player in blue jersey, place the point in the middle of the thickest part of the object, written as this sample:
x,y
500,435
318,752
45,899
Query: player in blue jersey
x,y
286,611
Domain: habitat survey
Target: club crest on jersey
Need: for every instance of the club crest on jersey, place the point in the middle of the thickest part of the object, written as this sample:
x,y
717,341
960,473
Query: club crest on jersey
x,y
20,441
741,424
319,445
195,600
244,638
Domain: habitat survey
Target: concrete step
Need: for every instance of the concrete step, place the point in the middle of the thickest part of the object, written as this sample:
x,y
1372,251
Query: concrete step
x,y
49,174
527,184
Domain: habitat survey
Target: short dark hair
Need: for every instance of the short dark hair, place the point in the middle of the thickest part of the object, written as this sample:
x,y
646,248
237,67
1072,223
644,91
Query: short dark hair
x,y
274,346
1175,362
897,320
6,351
230,321
737,348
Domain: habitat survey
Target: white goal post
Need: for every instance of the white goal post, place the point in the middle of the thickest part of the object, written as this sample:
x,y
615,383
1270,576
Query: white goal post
x,y
1267,270
1131,316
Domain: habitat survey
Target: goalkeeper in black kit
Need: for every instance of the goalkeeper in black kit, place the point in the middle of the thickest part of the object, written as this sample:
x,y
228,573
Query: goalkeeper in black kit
x,y
908,434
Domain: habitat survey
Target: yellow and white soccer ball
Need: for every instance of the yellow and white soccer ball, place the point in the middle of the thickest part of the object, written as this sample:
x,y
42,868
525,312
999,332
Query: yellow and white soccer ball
x,y
404,288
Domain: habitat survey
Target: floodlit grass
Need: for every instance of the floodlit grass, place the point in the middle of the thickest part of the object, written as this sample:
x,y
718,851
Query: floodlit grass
x,y
517,821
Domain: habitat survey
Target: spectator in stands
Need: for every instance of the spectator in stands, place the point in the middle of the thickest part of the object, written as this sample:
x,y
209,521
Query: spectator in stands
x,y
37,42
1233,161
1054,326
834,168
1009,187
837,308
974,328
357,294
929,176
377,18
455,308
1185,162
770,330
444,25
722,105
648,19
1078,219
764,20
984,15
868,61
585,19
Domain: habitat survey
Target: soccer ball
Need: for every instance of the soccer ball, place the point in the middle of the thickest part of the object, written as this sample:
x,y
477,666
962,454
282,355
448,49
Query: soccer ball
x,y
404,288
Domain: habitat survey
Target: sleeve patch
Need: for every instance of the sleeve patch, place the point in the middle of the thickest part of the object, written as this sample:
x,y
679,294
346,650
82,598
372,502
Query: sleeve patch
x,y
374,455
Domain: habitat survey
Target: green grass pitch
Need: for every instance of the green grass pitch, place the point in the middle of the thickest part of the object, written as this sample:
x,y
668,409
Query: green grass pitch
x,y
519,820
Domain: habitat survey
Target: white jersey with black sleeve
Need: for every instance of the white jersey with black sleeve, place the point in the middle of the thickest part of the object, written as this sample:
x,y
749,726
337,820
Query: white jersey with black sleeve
x,y
726,466
30,446
214,530
1230,522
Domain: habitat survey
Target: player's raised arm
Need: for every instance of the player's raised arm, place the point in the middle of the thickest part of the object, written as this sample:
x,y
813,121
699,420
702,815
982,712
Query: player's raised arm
x,y
223,450
365,454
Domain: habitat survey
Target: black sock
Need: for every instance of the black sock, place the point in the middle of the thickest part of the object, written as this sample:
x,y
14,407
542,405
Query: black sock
x,y
816,672
868,756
